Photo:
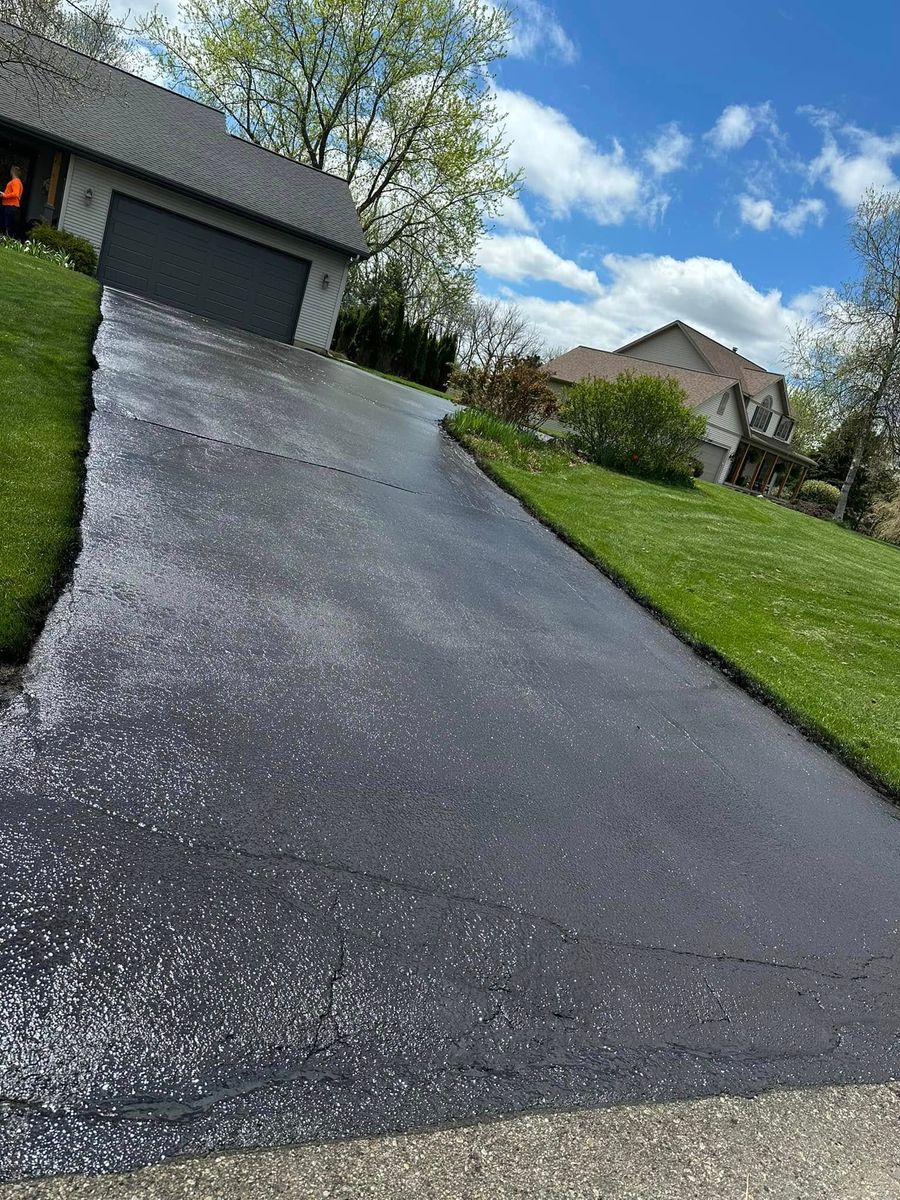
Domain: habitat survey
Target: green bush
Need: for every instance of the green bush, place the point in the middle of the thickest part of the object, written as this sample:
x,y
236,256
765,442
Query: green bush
x,y
886,520
78,250
518,392
820,492
639,424
35,250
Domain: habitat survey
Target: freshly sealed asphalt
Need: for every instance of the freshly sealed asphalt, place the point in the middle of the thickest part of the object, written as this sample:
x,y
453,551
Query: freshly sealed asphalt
x,y
341,798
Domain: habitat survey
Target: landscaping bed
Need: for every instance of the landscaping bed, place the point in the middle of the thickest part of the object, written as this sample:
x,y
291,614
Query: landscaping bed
x,y
48,319
803,612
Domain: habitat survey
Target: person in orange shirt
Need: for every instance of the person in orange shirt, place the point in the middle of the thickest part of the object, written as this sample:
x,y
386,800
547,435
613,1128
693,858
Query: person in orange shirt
x,y
11,202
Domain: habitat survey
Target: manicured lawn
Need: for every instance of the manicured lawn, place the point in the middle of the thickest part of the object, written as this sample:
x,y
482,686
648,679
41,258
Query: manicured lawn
x,y
804,610
420,387
48,317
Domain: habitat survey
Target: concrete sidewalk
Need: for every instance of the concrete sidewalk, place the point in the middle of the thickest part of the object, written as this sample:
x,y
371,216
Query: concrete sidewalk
x,y
822,1144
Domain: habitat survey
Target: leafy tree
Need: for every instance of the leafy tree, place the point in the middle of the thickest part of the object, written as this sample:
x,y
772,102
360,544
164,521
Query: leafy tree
x,y
367,342
812,420
848,356
393,95
87,27
874,479
446,360
637,423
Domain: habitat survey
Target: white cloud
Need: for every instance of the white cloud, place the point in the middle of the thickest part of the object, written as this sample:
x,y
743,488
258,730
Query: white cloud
x,y
758,213
852,159
567,170
645,292
537,33
512,215
761,214
737,124
669,151
515,257
794,219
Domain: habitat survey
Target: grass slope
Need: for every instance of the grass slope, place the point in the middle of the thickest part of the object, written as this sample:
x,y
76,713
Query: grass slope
x,y
48,318
420,387
803,610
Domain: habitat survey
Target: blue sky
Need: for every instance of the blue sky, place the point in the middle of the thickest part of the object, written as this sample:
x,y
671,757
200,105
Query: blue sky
x,y
697,162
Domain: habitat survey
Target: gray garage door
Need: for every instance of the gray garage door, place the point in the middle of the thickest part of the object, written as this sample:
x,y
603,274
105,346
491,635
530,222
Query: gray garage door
x,y
711,456
193,266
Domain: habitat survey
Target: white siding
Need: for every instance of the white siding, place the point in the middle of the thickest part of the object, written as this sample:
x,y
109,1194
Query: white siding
x,y
723,429
670,347
315,326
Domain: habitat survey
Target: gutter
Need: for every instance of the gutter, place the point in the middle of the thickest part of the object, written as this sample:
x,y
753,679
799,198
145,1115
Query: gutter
x,y
353,253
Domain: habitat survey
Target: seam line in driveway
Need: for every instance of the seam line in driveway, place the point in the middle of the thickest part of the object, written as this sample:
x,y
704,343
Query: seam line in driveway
x,y
306,462
309,462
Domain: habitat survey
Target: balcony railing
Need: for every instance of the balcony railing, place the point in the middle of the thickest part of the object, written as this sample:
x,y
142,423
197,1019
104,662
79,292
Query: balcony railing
x,y
761,421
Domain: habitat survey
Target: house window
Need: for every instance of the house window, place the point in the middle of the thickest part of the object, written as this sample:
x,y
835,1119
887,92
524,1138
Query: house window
x,y
762,416
723,404
783,428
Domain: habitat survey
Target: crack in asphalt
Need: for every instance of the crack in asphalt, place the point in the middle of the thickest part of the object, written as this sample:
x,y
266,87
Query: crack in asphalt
x,y
309,462
568,933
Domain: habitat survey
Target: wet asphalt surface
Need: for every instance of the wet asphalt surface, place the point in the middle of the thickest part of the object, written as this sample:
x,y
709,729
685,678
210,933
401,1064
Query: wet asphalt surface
x,y
340,798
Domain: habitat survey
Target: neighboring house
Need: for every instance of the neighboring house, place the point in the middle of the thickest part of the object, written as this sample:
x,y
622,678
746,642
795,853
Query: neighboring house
x,y
749,424
178,209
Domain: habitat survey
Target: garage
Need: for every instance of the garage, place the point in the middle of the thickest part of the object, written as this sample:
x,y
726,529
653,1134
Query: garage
x,y
207,271
712,457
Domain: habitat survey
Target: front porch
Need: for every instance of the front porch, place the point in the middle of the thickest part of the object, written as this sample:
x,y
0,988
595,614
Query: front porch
x,y
43,168
768,470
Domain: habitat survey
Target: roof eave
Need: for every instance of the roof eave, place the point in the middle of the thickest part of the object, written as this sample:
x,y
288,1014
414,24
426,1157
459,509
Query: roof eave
x,y
354,252
783,448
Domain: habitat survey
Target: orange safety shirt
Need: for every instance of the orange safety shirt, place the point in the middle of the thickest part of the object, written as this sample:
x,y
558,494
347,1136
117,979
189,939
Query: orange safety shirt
x,y
12,193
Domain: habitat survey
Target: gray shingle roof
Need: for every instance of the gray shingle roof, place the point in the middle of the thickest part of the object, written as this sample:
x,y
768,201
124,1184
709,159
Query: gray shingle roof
x,y
750,375
123,120
584,361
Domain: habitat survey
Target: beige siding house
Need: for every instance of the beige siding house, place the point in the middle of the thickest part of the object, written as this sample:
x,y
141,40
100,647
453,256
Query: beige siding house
x,y
178,209
749,425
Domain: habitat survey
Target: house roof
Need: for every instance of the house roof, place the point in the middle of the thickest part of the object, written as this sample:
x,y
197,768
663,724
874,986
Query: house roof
x,y
782,449
584,361
721,361
119,119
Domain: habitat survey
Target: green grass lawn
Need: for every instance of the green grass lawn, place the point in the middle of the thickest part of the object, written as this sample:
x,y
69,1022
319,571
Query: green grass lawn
x,y
48,317
804,610
420,387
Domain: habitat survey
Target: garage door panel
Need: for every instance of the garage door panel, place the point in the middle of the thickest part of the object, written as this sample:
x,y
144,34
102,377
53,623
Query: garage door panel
x,y
712,457
207,271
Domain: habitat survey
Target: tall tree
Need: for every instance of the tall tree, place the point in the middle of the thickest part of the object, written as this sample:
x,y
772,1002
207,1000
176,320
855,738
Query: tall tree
x,y
875,478
492,333
848,356
393,95
88,27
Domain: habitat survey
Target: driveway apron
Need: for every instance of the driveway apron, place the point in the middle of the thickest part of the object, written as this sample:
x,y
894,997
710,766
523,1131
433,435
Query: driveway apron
x,y
341,798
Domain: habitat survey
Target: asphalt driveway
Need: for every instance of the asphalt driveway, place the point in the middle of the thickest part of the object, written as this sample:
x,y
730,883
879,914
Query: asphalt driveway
x,y
340,797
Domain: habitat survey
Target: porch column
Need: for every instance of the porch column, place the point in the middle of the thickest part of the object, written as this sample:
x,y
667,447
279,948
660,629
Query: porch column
x,y
800,483
53,188
775,461
738,464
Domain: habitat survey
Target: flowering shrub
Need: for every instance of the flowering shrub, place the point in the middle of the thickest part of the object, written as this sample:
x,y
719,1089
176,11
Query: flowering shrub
x,y
819,492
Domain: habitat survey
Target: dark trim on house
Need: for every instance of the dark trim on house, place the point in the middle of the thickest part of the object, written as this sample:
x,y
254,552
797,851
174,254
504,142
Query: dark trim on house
x,y
767,468
169,185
